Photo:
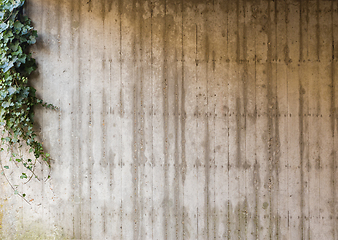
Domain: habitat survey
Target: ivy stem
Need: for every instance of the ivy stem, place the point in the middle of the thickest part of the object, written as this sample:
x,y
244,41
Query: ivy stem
x,y
10,184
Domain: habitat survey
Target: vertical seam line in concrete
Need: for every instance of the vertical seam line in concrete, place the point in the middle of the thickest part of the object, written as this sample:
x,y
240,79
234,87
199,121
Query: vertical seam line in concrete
x,y
333,114
152,117
71,132
135,145
214,146
255,169
287,100
277,137
228,164
245,105
80,132
301,124
165,124
318,31
308,135
121,118
270,118
183,116
90,150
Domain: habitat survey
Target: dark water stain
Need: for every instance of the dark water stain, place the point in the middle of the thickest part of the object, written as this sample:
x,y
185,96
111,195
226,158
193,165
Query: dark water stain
x,y
111,166
90,5
301,54
135,164
110,5
177,184
103,10
333,121
256,185
224,6
142,146
139,122
104,215
273,142
103,160
238,216
207,164
213,61
301,155
59,25
246,165
90,162
238,42
183,167
186,223
135,142
318,164
287,58
231,217
239,140
318,29
198,3
165,107
183,119
121,103
76,125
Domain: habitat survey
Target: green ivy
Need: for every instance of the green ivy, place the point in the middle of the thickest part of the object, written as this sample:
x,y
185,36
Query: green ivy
x,y
17,97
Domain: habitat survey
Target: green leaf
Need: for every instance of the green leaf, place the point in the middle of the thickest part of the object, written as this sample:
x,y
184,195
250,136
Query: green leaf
x,y
5,104
17,97
18,25
32,40
11,90
23,176
3,27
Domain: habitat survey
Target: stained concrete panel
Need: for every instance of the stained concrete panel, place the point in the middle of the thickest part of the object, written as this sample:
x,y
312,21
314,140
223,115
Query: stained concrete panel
x,y
182,120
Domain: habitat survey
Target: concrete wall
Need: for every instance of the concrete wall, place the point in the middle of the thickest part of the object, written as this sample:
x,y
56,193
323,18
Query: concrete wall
x,y
184,120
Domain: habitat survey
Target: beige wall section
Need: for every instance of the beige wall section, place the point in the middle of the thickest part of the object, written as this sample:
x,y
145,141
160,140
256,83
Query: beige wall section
x,y
184,120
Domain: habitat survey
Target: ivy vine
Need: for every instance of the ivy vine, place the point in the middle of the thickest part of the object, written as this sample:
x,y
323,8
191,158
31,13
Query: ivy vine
x,y
17,97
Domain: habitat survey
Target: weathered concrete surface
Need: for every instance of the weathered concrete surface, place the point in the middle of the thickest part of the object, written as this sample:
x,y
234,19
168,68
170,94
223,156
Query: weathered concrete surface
x,y
184,120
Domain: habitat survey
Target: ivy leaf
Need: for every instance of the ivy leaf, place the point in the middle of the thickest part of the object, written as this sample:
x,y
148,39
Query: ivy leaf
x,y
14,47
11,90
17,97
17,26
5,104
32,40
8,65
23,176
3,27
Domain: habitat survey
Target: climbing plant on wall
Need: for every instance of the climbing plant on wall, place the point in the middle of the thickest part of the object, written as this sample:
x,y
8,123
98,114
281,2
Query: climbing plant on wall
x,y
17,97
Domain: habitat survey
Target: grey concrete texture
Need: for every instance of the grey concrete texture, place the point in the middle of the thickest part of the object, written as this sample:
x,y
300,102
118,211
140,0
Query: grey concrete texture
x,y
183,120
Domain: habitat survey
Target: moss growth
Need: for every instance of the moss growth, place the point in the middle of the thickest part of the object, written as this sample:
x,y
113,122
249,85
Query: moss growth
x,y
33,231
